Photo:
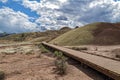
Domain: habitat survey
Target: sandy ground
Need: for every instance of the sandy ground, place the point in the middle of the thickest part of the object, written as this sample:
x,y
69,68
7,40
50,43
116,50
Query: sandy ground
x,y
23,63
108,51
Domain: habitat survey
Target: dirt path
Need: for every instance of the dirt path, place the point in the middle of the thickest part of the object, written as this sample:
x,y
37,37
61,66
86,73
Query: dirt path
x,y
23,63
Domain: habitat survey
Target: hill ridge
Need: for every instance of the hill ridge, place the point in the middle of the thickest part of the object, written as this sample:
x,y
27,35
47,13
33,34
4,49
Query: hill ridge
x,y
100,33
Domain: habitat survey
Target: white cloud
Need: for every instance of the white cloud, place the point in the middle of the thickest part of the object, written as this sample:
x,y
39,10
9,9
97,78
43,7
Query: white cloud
x,y
34,5
14,22
62,1
48,13
91,11
3,1
57,13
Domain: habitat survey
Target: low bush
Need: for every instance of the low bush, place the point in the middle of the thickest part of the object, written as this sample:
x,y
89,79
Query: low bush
x,y
43,49
117,55
38,55
58,54
2,75
116,52
60,63
29,53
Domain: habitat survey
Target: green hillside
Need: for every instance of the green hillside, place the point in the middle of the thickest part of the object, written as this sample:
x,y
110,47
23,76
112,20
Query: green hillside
x,y
96,33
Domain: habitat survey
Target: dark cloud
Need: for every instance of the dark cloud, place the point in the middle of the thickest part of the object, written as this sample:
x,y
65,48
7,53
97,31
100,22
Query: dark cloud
x,y
62,18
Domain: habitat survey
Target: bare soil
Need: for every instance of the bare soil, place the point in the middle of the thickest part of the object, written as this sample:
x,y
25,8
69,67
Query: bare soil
x,y
111,51
23,63
107,34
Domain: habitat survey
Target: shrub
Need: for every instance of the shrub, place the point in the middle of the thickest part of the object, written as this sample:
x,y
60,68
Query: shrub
x,y
116,52
16,72
43,49
28,53
117,55
55,53
2,75
58,54
60,63
38,55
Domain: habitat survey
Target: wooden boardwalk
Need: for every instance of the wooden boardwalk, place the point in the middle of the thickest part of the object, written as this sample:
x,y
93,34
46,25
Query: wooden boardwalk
x,y
106,66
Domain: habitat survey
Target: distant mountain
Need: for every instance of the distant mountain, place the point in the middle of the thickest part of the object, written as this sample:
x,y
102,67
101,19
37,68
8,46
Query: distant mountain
x,y
4,34
99,33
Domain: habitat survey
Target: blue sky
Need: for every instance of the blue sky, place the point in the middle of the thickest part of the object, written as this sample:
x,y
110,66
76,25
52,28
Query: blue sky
x,y
16,6
18,16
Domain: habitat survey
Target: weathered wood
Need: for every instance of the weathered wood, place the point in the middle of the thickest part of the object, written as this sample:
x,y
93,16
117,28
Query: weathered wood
x,y
109,67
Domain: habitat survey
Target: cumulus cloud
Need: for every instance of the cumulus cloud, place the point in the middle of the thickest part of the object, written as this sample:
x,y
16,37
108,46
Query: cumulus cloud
x,y
92,11
15,22
48,14
55,14
58,13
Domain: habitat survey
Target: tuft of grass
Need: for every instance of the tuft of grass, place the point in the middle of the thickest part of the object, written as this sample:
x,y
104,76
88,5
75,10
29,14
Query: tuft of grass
x,y
43,49
116,52
58,54
2,75
16,72
29,53
60,63
38,55
117,55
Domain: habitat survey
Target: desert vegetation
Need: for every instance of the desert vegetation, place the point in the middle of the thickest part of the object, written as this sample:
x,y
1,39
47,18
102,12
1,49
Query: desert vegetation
x,y
2,75
60,63
116,52
43,49
17,62
60,60
34,36
29,63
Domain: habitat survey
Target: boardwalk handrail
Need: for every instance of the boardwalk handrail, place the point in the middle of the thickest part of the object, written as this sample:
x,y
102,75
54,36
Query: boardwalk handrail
x,y
106,66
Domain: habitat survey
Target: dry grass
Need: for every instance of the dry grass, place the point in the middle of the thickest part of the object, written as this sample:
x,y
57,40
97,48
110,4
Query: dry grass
x,y
35,36
43,49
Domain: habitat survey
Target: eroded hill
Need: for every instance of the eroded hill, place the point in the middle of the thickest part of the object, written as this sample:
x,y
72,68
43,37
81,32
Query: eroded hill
x,y
96,33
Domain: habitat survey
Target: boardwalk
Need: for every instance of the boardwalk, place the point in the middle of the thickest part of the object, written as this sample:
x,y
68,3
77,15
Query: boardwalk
x,y
106,66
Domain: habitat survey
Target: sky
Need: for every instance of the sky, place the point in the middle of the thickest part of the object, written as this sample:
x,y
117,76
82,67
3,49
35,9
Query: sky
x,y
18,16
